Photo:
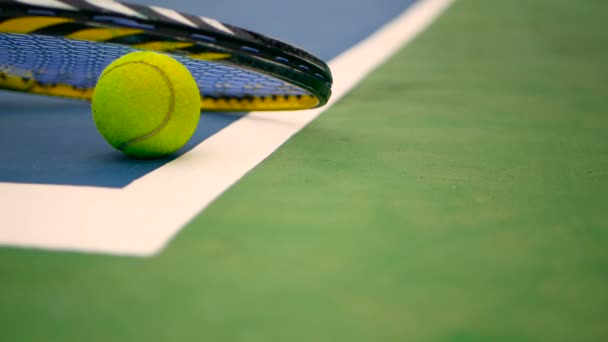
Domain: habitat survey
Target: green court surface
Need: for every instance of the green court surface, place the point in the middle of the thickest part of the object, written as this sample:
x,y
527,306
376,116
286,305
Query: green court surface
x,y
460,193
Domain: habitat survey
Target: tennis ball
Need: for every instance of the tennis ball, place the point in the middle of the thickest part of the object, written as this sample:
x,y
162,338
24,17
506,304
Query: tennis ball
x,y
146,104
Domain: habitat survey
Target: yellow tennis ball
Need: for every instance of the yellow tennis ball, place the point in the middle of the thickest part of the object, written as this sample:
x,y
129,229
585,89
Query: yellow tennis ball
x,y
146,105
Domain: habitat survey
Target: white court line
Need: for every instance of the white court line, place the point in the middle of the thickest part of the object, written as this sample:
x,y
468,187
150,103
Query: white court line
x,y
141,218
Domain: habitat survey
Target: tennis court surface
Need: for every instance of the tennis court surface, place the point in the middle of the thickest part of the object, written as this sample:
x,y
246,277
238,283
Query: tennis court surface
x,y
457,192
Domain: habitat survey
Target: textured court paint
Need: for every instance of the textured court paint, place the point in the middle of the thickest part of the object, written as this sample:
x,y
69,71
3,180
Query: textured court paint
x,y
458,194
54,141
97,224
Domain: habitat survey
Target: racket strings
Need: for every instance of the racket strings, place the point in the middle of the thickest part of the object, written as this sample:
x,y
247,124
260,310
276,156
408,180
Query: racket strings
x,y
70,67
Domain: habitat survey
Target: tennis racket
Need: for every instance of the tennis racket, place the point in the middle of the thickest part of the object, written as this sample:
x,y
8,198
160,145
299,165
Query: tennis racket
x,y
60,47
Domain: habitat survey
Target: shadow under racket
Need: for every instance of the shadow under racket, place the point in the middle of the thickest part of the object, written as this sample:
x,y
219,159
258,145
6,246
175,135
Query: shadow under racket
x,y
54,141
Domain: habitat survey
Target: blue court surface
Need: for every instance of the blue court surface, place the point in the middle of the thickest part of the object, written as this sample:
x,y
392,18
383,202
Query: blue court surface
x,y
55,141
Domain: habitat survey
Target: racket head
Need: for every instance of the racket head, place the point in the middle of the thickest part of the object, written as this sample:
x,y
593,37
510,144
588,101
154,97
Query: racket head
x,y
60,47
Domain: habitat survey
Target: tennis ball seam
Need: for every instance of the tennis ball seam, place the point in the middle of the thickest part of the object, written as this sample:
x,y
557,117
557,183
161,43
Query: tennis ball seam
x,y
169,111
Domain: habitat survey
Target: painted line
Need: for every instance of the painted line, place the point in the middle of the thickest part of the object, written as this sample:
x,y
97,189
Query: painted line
x,y
140,219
